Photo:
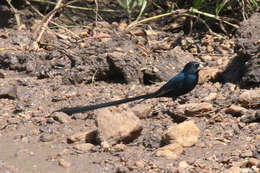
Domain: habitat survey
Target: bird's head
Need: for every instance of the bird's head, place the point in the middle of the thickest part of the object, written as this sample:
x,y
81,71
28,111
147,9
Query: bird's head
x,y
192,67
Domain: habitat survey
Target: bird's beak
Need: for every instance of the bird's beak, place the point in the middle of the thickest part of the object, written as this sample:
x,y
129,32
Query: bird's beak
x,y
200,67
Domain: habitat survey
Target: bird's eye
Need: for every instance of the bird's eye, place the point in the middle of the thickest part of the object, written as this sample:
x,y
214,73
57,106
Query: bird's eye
x,y
196,65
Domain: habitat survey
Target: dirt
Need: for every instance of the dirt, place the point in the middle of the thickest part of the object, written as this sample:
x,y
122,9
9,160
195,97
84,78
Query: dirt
x,y
109,64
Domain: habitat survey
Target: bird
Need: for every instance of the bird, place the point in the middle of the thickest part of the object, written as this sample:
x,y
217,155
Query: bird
x,y
180,84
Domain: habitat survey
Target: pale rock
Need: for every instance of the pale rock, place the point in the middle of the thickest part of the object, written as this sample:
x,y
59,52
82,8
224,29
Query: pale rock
x,y
114,126
253,162
191,109
64,163
119,147
186,134
206,58
85,147
88,136
208,73
236,110
183,165
140,164
60,117
142,110
250,98
210,97
171,151
233,169
106,146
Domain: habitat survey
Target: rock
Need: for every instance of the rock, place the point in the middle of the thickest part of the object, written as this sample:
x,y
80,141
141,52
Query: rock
x,y
2,74
186,134
246,153
210,97
119,147
183,165
251,118
142,110
60,117
46,137
140,164
105,146
250,98
171,151
126,65
8,91
191,109
88,136
114,127
208,73
251,77
234,169
253,162
236,110
83,147
64,163
248,36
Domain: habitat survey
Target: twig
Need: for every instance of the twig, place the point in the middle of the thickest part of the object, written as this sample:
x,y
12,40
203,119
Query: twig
x,y
15,11
54,23
213,17
96,11
202,21
79,8
133,24
46,20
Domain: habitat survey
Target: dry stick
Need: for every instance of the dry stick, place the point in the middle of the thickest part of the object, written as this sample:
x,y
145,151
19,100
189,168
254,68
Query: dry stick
x,y
54,23
205,23
133,24
180,12
96,11
47,19
15,11
76,7
44,25
214,17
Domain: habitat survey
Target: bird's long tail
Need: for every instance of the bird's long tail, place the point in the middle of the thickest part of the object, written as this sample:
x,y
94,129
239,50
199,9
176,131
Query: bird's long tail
x,y
80,109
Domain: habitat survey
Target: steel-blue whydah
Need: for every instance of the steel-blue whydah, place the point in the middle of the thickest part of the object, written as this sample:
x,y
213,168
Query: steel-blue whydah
x,y
181,84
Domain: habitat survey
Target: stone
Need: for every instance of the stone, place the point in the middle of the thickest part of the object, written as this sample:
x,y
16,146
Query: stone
x,y
183,165
234,169
253,162
191,109
208,73
210,97
115,127
171,151
46,137
119,147
250,98
64,163
85,147
60,117
105,146
140,164
236,110
88,136
8,91
186,134
248,36
142,110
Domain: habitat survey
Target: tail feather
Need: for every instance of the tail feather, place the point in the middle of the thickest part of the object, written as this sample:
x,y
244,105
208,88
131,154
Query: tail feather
x,y
81,109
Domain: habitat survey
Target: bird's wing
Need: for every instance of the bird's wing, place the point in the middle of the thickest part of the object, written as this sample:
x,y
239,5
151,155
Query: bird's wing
x,y
172,86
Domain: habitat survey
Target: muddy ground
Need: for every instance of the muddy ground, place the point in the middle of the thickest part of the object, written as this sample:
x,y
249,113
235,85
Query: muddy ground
x,y
214,128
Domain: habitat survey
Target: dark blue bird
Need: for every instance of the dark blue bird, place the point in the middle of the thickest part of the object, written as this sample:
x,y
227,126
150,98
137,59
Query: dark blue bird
x,y
179,85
